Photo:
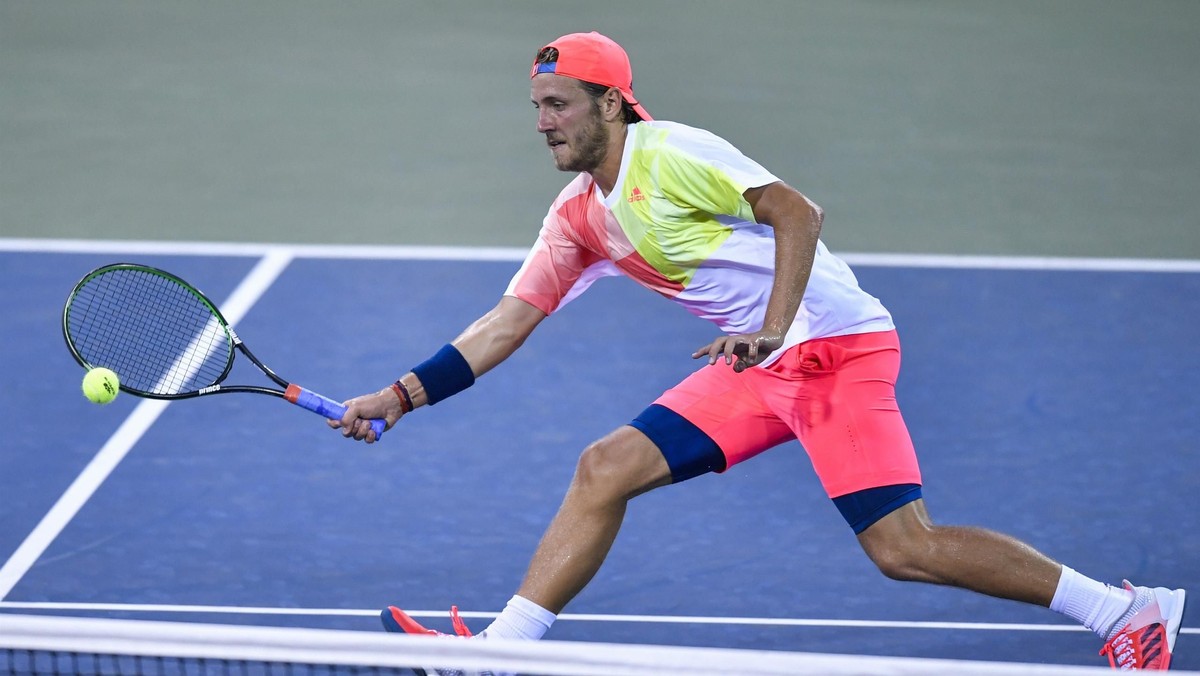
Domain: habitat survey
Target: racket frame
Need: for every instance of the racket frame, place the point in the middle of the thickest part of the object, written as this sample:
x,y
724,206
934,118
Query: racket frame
x,y
291,392
232,342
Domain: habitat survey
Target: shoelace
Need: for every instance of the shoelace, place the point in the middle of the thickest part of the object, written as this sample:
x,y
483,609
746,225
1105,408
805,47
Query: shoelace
x,y
461,629
1121,652
1126,650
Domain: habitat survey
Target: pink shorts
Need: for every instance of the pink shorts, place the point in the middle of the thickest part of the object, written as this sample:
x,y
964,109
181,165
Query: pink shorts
x,y
836,395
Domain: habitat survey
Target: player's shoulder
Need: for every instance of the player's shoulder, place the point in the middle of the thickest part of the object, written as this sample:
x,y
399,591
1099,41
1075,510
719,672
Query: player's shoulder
x,y
677,136
569,212
666,129
582,184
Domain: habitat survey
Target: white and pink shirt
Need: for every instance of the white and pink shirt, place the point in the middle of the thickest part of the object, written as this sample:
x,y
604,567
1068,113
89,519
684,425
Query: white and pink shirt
x,y
676,223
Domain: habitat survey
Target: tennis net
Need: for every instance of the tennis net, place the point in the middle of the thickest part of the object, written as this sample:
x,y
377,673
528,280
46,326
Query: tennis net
x,y
68,645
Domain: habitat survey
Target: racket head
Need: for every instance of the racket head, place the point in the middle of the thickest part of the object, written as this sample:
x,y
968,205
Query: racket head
x,y
162,336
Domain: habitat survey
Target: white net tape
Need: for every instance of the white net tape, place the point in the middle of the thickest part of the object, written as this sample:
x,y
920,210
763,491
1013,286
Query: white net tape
x,y
215,644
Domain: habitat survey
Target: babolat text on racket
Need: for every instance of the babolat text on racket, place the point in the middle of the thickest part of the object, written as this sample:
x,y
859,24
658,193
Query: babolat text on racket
x,y
165,339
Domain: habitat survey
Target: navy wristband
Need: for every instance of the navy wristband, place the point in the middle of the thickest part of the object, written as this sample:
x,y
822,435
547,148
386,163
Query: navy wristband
x,y
444,375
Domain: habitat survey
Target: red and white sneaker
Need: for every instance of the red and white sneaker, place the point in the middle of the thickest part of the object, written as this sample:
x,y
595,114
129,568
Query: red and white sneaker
x,y
397,621
1145,638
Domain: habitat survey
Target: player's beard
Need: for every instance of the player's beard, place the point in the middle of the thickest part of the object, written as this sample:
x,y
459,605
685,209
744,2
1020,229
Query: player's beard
x,y
589,146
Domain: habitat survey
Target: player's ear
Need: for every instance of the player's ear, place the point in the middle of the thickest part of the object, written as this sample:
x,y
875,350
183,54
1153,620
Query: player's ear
x,y
612,104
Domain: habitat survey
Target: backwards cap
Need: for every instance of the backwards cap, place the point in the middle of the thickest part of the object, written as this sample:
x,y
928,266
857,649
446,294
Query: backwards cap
x,y
594,58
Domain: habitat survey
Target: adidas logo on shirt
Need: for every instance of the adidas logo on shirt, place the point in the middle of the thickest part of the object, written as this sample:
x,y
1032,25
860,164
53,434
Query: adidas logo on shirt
x,y
635,195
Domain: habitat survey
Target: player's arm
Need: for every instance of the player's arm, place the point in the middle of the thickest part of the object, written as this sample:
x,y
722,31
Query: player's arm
x,y
488,341
484,344
797,225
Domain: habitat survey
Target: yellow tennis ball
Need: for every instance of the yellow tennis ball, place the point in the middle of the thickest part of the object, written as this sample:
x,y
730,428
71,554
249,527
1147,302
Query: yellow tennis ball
x,y
100,385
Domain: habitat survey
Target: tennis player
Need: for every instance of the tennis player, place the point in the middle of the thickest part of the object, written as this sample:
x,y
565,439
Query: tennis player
x,y
803,353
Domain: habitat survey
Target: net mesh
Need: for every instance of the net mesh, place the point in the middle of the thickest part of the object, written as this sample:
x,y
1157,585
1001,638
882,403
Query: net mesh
x,y
157,334
61,645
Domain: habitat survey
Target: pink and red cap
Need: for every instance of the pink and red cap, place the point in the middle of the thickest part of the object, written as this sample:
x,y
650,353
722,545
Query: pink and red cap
x,y
595,58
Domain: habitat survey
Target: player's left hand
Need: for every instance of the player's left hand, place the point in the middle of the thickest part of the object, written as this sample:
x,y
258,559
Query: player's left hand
x,y
743,350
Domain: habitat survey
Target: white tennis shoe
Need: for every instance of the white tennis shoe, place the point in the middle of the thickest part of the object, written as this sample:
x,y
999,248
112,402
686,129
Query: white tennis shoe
x,y
1144,638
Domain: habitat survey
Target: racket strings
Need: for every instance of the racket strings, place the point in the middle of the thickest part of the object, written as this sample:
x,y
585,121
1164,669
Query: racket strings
x,y
155,332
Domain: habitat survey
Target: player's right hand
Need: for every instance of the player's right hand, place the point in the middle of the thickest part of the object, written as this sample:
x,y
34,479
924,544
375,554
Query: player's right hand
x,y
356,424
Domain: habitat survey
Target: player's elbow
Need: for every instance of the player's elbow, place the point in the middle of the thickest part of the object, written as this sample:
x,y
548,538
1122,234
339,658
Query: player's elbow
x,y
496,335
781,205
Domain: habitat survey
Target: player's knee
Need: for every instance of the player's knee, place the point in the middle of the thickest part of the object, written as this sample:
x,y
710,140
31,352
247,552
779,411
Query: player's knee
x,y
907,559
621,466
897,564
602,468
903,543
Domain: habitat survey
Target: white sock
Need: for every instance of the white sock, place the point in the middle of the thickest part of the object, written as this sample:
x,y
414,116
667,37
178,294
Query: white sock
x,y
1093,604
521,619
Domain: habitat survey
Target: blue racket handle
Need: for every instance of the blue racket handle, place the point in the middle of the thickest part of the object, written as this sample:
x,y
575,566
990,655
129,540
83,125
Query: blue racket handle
x,y
325,406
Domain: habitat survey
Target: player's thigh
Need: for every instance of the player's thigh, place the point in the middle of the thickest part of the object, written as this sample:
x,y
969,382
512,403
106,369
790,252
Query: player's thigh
x,y
624,462
843,409
710,422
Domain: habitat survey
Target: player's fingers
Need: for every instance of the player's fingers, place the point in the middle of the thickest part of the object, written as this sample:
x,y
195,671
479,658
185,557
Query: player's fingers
x,y
760,349
353,413
730,346
723,346
358,430
349,422
715,350
345,423
703,350
735,349
756,352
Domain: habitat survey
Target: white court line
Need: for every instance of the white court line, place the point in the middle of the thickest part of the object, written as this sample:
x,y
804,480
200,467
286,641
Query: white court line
x,y
131,430
576,617
516,254
158,248
189,362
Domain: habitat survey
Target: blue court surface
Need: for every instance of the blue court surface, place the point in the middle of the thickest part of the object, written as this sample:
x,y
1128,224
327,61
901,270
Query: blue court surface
x,y
1051,402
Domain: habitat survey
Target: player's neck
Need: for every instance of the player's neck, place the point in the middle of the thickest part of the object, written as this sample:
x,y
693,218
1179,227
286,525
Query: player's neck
x,y
606,174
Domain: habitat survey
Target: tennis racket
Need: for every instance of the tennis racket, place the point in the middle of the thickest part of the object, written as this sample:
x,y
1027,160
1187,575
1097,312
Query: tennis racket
x,y
165,339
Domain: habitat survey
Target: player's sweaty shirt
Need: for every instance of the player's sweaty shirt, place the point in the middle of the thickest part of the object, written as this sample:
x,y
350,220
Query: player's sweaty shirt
x,y
676,222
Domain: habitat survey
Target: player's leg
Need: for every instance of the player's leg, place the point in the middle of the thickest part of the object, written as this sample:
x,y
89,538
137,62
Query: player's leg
x,y
906,545
850,425
610,473
853,431
707,423
1139,623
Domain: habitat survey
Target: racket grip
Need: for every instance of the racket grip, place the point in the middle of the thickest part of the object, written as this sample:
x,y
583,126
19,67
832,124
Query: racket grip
x,y
325,406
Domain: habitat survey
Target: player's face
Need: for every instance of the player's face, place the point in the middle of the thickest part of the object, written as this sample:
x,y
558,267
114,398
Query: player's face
x,y
570,121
